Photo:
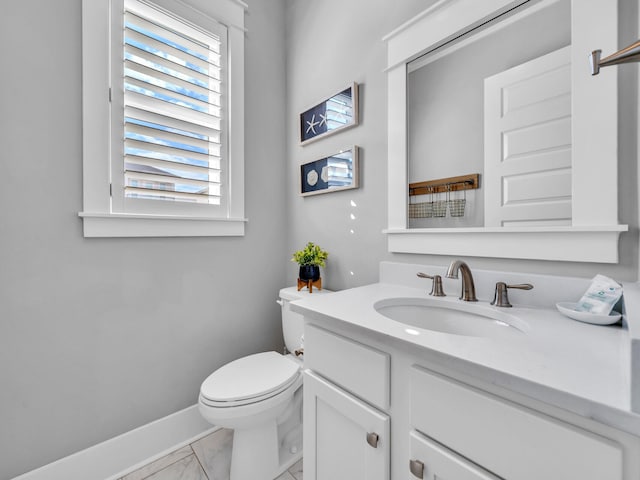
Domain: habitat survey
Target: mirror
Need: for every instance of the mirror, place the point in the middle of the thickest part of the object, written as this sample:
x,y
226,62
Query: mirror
x,y
446,91
452,140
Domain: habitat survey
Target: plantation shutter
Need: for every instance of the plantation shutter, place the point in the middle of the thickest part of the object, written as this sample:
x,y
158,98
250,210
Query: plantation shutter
x,y
173,108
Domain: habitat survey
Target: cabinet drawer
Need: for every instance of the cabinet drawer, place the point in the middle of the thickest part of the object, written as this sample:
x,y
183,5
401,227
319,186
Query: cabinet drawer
x,y
509,440
436,461
357,368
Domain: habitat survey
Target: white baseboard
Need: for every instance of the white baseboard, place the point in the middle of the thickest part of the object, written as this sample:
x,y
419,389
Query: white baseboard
x,y
120,455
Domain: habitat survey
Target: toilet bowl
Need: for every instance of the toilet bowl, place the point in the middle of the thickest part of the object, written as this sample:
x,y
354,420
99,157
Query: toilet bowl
x,y
260,397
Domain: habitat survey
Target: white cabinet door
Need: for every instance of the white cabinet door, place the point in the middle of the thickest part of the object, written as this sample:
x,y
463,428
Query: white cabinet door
x,y
431,461
344,438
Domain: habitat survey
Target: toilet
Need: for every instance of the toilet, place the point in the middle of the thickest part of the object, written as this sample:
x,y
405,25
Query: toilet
x,y
260,397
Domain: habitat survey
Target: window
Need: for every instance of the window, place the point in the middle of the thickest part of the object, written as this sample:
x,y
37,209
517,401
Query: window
x,y
172,115
163,137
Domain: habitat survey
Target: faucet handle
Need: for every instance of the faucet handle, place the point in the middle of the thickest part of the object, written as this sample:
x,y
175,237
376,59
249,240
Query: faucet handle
x,y
501,298
436,287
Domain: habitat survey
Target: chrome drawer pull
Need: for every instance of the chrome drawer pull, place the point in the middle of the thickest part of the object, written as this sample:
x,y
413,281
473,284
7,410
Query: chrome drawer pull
x,y
417,468
372,439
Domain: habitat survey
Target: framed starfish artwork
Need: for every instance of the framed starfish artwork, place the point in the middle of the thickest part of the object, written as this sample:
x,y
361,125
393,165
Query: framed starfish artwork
x,y
334,114
330,174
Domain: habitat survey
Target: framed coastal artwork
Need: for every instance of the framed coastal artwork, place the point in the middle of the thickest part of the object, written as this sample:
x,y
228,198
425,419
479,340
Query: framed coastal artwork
x,y
330,116
330,174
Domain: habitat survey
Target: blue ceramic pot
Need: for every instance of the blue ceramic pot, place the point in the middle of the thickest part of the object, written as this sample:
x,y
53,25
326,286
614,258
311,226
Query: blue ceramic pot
x,y
309,272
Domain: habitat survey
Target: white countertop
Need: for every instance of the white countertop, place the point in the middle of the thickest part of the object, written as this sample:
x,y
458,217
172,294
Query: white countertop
x,y
576,366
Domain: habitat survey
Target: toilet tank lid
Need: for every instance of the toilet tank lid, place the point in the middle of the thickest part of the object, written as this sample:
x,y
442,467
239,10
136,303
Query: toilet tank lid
x,y
292,293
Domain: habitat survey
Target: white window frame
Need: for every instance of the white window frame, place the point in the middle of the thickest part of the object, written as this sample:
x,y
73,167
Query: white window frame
x,y
99,217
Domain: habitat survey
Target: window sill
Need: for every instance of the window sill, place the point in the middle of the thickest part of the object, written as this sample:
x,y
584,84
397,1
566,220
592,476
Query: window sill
x,y
97,225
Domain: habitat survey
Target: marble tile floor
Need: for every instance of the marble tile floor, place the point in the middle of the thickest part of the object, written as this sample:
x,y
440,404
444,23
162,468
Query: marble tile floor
x,y
208,458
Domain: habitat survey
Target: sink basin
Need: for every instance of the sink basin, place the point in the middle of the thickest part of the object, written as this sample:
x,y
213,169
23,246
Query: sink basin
x,y
456,318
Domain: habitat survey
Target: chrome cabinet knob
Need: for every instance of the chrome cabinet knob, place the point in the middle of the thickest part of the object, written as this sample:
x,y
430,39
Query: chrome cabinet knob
x,y
416,467
372,439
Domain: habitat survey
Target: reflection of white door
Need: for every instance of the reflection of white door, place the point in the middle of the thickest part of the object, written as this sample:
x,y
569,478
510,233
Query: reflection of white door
x,y
527,143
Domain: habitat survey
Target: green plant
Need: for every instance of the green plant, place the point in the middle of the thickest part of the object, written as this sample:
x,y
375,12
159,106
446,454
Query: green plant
x,y
310,255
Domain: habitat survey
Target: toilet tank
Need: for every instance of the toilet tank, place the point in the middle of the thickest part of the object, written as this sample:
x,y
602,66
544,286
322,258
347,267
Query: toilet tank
x,y
292,323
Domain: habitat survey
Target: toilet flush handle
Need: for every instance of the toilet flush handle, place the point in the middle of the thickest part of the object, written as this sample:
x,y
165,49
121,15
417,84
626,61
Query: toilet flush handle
x,y
300,350
280,302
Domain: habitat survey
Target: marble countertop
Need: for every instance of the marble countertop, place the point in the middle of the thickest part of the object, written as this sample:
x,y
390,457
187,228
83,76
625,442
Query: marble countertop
x,y
576,366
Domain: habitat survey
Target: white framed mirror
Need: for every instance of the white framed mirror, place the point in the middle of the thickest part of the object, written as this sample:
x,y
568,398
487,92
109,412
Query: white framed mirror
x,y
587,229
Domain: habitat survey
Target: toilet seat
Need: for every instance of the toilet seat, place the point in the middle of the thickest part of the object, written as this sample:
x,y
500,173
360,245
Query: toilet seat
x,y
249,380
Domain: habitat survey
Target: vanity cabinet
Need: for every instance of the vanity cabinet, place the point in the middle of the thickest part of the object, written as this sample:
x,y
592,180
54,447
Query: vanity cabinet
x,y
375,408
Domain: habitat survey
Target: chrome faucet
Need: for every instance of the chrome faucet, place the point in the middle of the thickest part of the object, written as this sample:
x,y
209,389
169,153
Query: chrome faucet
x,y
468,293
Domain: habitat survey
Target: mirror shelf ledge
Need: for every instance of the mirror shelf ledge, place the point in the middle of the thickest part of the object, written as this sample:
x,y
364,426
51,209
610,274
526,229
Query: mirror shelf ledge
x,y
531,229
595,244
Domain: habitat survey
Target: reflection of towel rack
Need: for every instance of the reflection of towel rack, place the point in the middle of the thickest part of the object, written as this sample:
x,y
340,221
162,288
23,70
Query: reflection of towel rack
x,y
451,184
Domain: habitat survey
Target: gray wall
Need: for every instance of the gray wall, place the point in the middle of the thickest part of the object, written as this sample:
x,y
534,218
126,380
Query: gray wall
x,y
98,336
329,45
332,43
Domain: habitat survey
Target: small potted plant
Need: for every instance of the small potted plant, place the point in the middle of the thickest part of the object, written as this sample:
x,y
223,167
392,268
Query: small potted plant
x,y
310,259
